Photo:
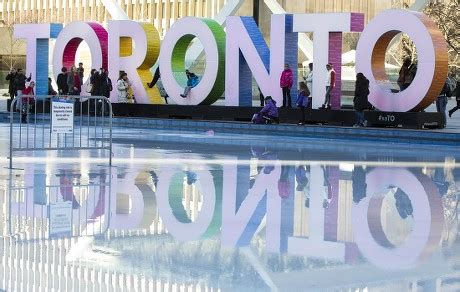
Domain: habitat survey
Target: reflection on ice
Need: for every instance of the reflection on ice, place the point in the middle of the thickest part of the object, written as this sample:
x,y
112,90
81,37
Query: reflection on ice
x,y
255,223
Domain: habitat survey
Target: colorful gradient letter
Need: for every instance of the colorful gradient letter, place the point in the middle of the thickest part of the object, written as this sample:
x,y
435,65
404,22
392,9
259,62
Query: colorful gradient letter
x,y
248,53
71,37
327,31
172,60
137,63
37,58
432,60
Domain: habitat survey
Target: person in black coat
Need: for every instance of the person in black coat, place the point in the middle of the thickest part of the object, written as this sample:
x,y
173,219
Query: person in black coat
x,y
456,93
20,81
51,90
105,85
361,101
61,81
11,86
95,82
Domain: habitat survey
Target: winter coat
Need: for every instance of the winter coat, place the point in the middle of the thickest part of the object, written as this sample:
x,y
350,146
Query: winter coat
x,y
51,90
193,81
73,80
302,99
309,81
403,75
445,90
95,84
330,81
270,109
11,86
81,72
61,81
287,78
28,91
20,81
360,100
122,88
105,84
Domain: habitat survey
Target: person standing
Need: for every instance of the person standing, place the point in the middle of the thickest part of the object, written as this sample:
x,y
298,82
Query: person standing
x,y
105,83
457,98
330,84
61,81
74,81
81,71
27,99
20,81
361,101
11,86
105,87
302,100
404,72
309,81
441,101
286,81
74,85
122,88
19,85
93,87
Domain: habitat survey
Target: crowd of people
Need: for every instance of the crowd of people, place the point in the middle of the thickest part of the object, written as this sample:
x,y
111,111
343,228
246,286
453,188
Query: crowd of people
x,y
269,112
70,82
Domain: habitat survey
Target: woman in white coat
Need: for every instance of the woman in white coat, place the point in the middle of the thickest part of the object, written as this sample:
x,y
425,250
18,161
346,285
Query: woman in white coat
x,y
122,88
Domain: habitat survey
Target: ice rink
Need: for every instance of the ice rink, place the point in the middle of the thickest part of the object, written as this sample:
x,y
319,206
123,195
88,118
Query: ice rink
x,y
172,215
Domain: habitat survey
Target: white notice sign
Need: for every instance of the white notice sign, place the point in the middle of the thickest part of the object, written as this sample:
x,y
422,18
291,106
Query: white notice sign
x,y
60,219
61,116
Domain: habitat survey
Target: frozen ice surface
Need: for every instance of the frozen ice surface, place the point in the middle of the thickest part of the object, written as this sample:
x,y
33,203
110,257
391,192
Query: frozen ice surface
x,y
190,211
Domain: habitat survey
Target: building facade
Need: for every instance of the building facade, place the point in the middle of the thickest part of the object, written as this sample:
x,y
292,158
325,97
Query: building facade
x,y
164,12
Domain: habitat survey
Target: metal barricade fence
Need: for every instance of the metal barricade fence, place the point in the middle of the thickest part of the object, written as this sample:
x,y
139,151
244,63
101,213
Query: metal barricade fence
x,y
41,208
62,205
91,121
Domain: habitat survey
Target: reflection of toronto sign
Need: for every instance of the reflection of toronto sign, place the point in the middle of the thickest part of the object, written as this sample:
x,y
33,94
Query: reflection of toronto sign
x,y
234,209
233,55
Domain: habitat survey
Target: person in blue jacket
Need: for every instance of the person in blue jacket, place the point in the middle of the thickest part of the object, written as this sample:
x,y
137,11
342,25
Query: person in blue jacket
x,y
269,113
192,81
303,100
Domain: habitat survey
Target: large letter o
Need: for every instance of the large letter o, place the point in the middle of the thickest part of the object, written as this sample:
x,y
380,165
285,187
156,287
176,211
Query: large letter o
x,y
427,212
172,60
172,213
71,37
432,60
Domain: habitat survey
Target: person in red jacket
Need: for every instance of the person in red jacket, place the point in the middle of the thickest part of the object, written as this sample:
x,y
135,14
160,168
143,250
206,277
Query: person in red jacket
x,y
286,81
26,100
330,84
